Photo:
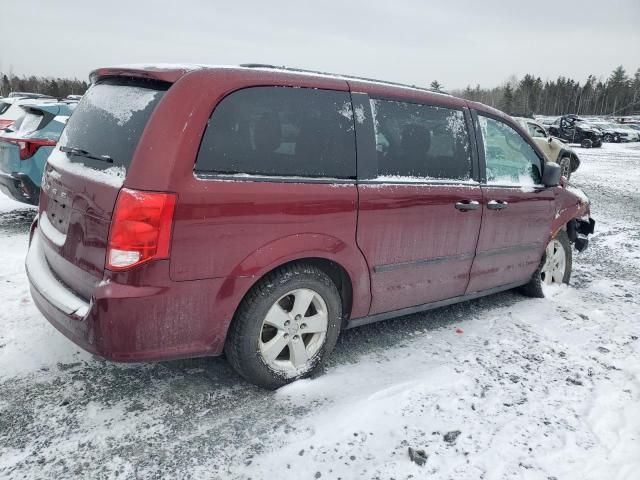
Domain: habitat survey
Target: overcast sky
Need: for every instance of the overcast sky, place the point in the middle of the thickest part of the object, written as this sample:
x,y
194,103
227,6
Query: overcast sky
x,y
456,42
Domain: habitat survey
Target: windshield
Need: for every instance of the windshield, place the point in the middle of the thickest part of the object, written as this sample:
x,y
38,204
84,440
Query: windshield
x,y
109,121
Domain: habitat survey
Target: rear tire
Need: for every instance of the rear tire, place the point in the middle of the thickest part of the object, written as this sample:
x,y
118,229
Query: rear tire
x,y
554,268
608,138
586,143
285,327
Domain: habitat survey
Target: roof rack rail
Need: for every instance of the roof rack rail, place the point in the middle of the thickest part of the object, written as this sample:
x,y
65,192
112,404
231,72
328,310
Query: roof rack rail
x,y
340,75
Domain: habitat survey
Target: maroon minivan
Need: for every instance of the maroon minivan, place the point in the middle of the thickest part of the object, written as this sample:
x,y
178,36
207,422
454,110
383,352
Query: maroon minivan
x,y
257,211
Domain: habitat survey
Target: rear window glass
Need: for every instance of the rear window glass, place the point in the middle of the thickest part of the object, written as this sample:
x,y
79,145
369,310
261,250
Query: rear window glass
x,y
30,122
281,131
109,121
421,141
4,106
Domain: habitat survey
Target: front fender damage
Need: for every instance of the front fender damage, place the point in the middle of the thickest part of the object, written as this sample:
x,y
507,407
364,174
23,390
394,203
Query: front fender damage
x,y
573,215
578,229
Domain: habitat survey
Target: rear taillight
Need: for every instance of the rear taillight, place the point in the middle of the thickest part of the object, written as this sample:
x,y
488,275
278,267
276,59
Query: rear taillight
x,y
140,228
29,147
6,124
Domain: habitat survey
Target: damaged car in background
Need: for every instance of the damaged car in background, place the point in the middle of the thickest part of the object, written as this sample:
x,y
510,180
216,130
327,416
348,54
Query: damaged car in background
x,y
574,129
554,149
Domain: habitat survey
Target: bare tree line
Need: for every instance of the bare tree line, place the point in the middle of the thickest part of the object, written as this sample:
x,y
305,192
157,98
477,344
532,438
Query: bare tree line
x,y
619,95
56,87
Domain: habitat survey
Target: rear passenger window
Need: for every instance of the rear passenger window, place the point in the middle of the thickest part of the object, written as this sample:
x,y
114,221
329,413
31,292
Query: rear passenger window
x,y
281,131
414,140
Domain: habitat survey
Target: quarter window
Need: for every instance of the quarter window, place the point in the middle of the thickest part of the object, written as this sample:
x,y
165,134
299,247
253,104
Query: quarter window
x,y
510,160
281,131
414,140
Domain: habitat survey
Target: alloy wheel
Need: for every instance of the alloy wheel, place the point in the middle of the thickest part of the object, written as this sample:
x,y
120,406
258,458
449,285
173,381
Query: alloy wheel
x,y
565,167
555,264
294,330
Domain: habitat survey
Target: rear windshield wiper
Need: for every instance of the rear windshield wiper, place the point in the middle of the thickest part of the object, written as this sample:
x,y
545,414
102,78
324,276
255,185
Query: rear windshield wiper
x,y
83,153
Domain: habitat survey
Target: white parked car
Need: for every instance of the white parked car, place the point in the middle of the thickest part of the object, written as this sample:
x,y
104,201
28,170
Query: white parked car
x,y
10,109
554,149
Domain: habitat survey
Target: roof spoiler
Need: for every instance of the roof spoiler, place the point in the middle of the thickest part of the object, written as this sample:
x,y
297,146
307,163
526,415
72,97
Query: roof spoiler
x,y
163,74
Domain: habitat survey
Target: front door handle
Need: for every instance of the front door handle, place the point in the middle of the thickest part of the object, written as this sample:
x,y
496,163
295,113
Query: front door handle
x,y
467,205
497,204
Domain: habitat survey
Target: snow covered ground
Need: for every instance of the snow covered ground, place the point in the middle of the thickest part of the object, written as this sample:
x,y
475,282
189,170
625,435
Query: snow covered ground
x,y
499,388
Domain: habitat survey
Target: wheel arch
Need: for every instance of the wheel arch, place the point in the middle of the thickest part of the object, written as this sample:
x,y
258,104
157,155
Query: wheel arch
x,y
575,161
343,263
568,207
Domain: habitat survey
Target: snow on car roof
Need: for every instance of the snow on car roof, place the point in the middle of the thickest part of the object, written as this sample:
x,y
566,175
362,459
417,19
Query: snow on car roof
x,y
187,67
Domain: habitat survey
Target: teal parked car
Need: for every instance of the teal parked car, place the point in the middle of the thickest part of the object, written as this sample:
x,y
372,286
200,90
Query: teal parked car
x,y
25,146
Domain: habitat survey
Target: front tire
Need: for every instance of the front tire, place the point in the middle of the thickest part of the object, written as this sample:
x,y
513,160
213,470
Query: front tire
x,y
608,138
555,266
285,327
586,143
565,167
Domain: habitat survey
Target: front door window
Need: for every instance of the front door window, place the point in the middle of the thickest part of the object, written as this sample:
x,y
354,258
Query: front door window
x,y
510,160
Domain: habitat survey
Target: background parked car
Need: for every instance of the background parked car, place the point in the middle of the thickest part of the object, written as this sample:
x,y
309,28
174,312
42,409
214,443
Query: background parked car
x,y
10,108
25,146
632,126
554,149
29,95
574,129
545,121
611,132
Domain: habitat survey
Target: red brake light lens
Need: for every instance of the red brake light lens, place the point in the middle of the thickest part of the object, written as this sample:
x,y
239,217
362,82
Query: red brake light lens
x,y
6,124
29,147
140,228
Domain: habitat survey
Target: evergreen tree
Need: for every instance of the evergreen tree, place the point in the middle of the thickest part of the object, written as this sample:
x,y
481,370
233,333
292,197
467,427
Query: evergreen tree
x,y
507,104
436,86
618,94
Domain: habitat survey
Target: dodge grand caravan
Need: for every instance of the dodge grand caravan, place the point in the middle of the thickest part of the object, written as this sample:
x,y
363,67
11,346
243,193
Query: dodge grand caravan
x,y
257,211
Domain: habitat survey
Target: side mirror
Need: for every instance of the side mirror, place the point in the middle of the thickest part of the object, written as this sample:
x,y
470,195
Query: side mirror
x,y
551,174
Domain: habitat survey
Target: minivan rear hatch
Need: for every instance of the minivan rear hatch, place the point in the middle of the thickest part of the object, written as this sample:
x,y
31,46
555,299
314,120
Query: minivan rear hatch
x,y
85,172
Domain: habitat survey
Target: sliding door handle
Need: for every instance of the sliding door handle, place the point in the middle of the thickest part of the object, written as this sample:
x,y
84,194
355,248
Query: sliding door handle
x,y
497,204
467,205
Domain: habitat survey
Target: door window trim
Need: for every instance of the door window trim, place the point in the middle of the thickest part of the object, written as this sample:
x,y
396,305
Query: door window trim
x,y
367,158
203,175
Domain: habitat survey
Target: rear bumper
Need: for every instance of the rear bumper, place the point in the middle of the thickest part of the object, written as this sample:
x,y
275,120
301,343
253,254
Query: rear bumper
x,y
126,323
19,187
